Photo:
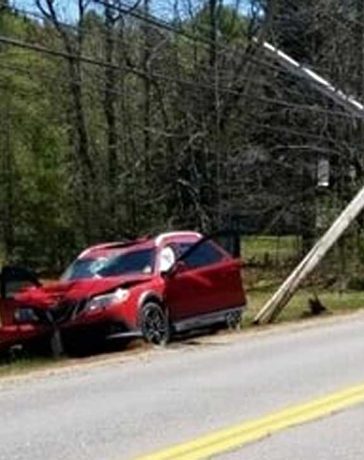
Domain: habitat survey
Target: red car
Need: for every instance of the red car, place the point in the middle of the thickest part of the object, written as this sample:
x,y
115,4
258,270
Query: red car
x,y
152,286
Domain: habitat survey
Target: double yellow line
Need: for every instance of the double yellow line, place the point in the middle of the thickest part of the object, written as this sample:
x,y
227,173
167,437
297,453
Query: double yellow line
x,y
247,432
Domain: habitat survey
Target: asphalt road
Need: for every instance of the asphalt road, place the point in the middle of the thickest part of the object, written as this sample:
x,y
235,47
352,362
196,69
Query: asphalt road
x,y
131,405
339,437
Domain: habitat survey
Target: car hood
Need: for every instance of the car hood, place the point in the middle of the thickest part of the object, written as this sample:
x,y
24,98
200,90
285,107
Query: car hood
x,y
52,293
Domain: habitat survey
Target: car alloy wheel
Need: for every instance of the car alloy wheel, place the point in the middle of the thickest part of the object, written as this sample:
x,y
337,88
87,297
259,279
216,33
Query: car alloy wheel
x,y
154,324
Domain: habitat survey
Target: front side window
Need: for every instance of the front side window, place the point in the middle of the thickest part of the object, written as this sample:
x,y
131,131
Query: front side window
x,y
204,254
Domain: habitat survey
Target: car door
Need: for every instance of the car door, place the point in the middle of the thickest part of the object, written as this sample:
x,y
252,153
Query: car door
x,y
222,277
206,280
12,280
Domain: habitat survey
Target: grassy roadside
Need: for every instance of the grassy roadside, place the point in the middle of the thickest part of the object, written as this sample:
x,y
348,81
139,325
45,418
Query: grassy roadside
x,y
336,303
16,365
270,259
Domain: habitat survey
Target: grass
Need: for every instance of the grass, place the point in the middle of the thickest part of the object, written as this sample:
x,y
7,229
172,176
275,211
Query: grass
x,y
336,302
270,259
272,248
20,364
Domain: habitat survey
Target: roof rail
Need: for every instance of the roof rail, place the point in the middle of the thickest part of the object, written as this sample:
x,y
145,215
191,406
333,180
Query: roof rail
x,y
113,245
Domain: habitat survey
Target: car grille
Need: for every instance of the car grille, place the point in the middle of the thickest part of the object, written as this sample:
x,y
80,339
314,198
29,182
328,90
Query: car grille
x,y
63,311
42,315
59,313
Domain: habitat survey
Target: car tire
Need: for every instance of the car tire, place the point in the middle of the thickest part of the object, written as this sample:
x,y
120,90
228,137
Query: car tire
x,y
233,320
155,324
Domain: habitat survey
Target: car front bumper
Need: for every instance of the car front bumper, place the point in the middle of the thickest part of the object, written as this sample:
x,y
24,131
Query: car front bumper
x,y
19,334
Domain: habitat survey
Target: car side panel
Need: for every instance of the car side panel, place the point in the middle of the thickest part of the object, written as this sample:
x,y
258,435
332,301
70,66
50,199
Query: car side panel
x,y
186,294
206,288
230,282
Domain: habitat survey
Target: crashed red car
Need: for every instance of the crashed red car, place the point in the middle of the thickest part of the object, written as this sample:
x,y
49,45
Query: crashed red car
x,y
152,287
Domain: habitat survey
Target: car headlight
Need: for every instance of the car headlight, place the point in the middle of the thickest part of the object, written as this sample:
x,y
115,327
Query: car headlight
x,y
25,315
106,300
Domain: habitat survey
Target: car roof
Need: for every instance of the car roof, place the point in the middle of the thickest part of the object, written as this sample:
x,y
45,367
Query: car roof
x,y
176,235
116,247
113,247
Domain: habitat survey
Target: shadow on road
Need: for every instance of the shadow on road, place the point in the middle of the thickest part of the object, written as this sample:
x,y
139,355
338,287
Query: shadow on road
x,y
87,347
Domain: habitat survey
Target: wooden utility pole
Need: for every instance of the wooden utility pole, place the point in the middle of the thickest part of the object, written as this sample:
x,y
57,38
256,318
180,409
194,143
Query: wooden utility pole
x,y
275,305
282,296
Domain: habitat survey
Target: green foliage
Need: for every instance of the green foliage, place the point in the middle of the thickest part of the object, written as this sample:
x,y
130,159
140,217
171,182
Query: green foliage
x,y
166,131
33,140
276,249
231,26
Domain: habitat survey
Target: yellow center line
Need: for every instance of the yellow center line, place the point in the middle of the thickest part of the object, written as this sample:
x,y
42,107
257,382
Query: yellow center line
x,y
247,432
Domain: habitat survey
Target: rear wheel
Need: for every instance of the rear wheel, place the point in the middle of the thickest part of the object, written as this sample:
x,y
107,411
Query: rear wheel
x,y
155,324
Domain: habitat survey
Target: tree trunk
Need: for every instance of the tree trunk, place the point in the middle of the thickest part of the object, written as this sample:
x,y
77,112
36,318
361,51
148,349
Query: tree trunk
x,y
110,115
8,176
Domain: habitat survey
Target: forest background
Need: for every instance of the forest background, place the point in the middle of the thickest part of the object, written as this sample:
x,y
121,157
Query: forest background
x,y
120,119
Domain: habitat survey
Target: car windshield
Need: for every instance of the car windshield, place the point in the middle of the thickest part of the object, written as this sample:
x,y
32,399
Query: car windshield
x,y
141,261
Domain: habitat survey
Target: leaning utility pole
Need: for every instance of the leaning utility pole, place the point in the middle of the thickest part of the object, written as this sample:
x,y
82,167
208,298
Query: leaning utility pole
x,y
275,305
282,296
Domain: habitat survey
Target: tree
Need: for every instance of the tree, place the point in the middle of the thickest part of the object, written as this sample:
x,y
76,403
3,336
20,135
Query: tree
x,y
85,169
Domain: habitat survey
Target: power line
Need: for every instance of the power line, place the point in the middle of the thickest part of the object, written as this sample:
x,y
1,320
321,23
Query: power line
x,y
263,99
143,75
99,63
133,68
127,10
32,14
147,17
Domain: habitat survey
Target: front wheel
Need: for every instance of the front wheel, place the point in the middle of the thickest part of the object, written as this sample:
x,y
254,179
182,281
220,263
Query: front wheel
x,y
155,324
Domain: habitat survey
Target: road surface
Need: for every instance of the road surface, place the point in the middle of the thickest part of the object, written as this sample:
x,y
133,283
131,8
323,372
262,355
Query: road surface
x,y
132,405
339,437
